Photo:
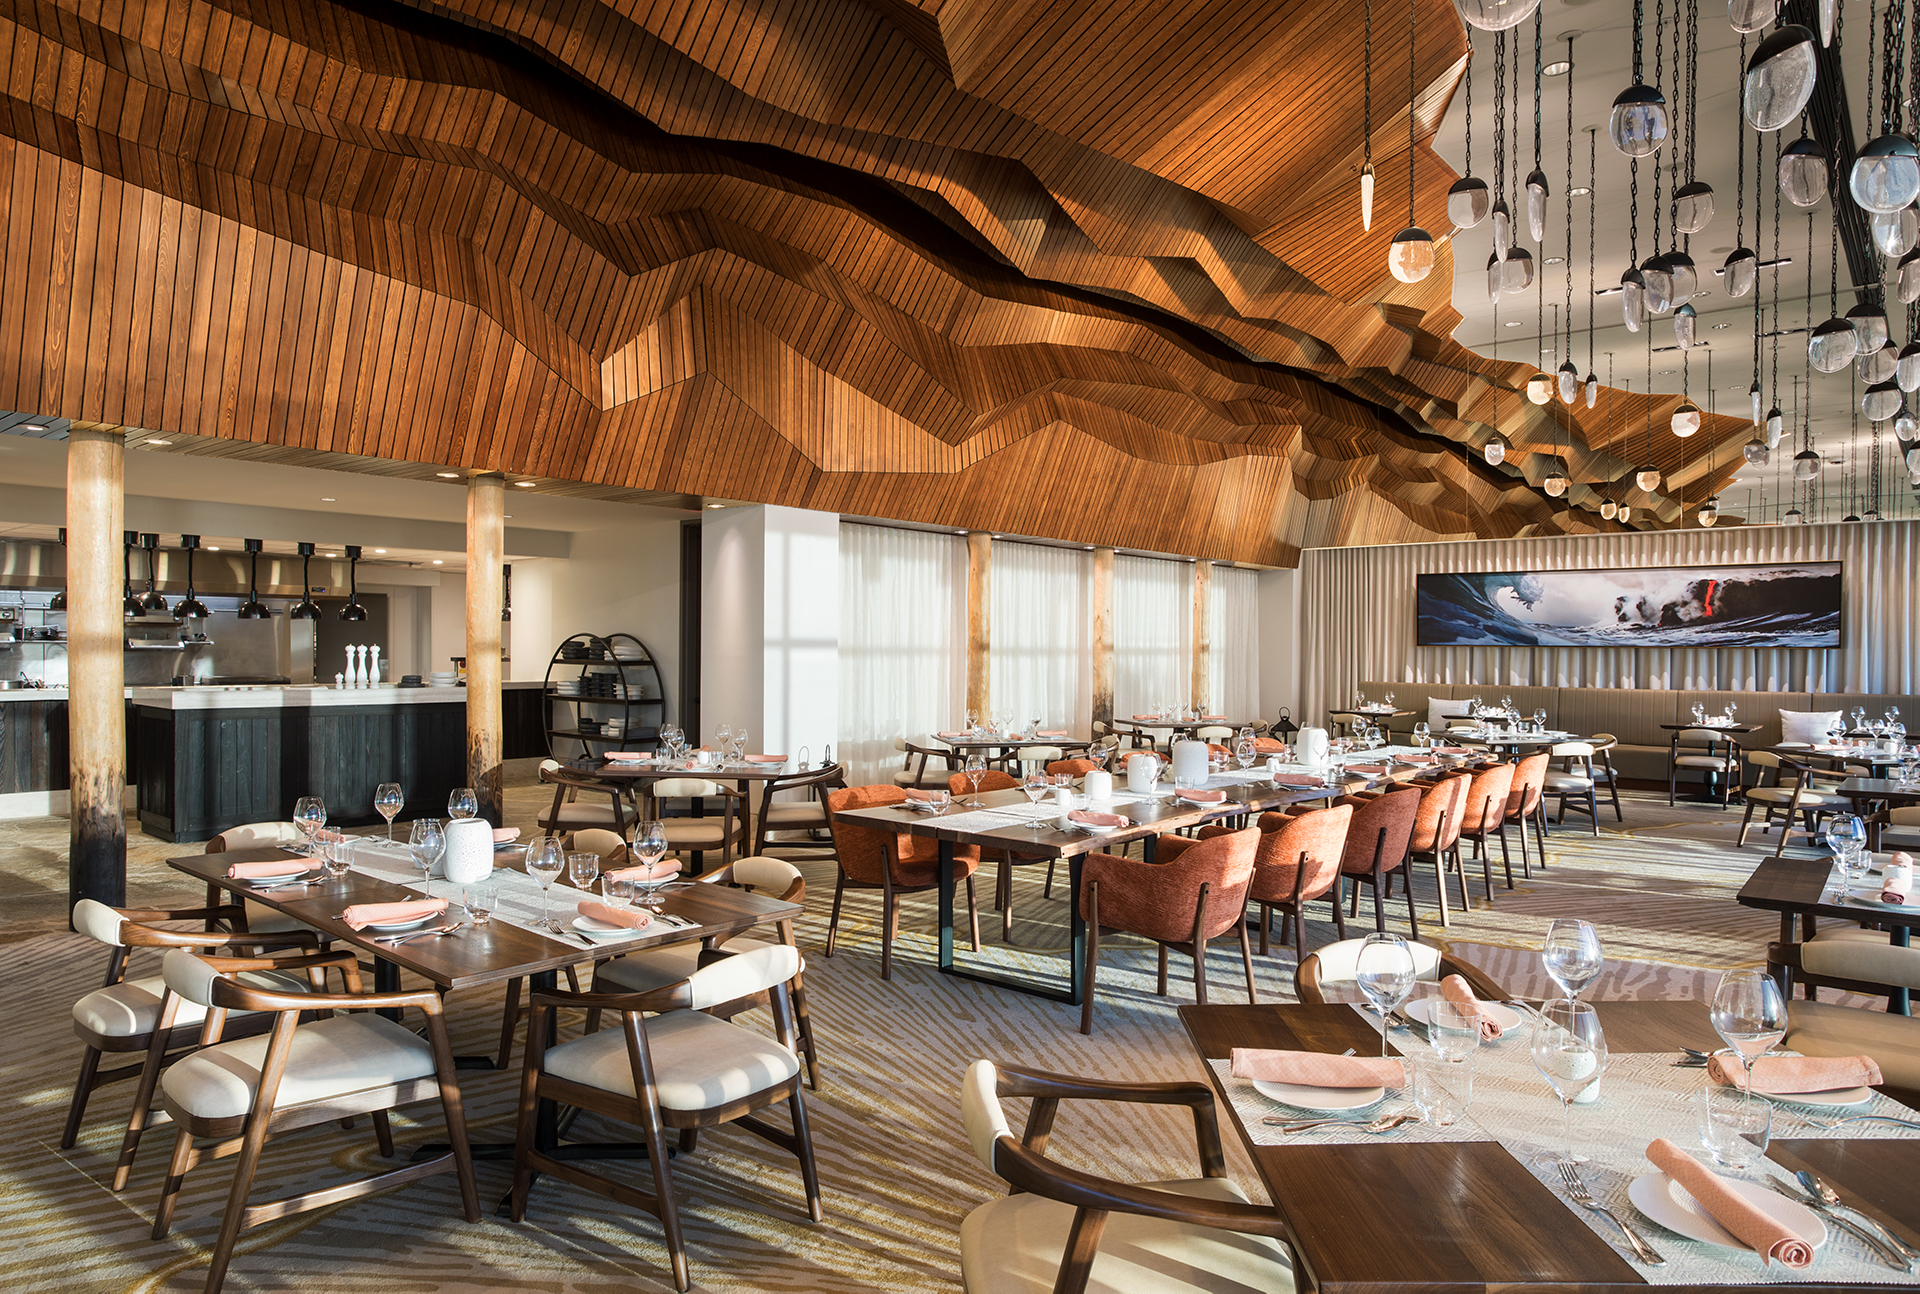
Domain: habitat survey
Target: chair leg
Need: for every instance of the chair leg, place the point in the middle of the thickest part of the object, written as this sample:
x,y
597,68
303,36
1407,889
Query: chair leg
x,y
183,1160
1299,931
1413,917
1613,791
1246,961
804,1027
82,1089
886,931
509,1022
383,1133
142,1109
243,1171
1093,958
1380,880
1047,892
1460,872
1266,926
1339,918
833,923
1506,855
1200,972
809,1172
1746,824
1161,983
1439,884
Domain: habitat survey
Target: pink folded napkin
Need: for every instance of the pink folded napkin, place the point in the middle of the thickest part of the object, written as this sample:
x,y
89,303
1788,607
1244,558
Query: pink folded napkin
x,y
1451,750
766,759
1457,991
626,756
1088,818
665,867
277,867
1202,797
1417,759
915,793
362,915
637,918
1896,884
1298,779
1370,770
505,835
1314,1068
953,736
1268,746
1787,1075
1749,1224
1213,718
1147,718
1051,732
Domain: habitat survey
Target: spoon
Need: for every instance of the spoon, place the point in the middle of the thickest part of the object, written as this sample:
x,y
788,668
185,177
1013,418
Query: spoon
x,y
1386,1123
1823,1191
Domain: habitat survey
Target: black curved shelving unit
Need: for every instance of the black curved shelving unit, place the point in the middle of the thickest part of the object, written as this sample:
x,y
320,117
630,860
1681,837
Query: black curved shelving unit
x,y
617,680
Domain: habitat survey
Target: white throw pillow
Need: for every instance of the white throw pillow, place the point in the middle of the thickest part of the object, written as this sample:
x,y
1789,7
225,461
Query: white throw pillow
x,y
1806,727
1438,712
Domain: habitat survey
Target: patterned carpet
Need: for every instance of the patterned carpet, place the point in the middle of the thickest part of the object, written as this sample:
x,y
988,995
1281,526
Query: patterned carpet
x,y
896,1174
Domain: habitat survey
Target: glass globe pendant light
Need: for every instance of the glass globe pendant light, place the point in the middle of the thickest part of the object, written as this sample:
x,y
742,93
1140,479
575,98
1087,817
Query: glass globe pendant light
x,y
1683,277
1659,284
1516,272
1780,78
1709,512
1880,364
1741,272
1607,508
1539,388
1756,451
1832,345
1502,230
1495,15
1896,233
1793,517
1410,255
1638,125
1913,460
1555,482
1496,277
1633,300
1692,206
1624,515
1881,401
1366,196
1469,200
1568,382
1685,327
1870,325
1537,192
1748,16
1753,397
1775,426
1590,390
1806,465
1906,426
1907,280
1803,172
1886,175
1685,420
1647,478
1906,366
1366,126
1495,450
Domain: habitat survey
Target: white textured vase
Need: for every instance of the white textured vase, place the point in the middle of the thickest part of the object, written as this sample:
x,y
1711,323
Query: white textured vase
x,y
1143,772
1313,745
1099,784
1189,763
469,851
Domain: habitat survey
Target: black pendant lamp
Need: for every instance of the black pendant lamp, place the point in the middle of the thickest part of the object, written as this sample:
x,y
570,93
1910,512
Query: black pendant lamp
x,y
353,611
59,602
129,540
152,603
253,608
506,594
190,607
306,608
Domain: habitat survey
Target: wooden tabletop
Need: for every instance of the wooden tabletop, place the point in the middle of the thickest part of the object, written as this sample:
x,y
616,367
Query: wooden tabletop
x,y
624,770
1009,743
1877,788
1797,885
1735,728
1461,1216
1235,724
496,951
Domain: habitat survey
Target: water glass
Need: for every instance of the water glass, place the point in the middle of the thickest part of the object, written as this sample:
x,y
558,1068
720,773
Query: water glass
x,y
582,868
310,814
1570,1051
462,802
940,800
388,800
339,857
1440,1090
480,901
1452,1031
1385,974
616,894
1734,1127
1572,955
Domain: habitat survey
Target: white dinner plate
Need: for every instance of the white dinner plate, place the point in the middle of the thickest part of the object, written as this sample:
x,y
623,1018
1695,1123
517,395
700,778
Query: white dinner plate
x,y
1838,1098
1505,1016
291,868
395,927
1320,1099
594,928
1091,828
1870,894
1664,1201
1205,804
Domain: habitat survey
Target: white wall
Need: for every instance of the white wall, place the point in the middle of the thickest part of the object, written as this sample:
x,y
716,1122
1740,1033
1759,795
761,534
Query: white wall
x,y
1279,594
770,626
446,624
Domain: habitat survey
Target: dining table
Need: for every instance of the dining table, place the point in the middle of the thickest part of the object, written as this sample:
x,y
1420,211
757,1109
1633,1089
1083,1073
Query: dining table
x,y
1470,1208
634,775
1005,748
1866,792
1808,888
480,955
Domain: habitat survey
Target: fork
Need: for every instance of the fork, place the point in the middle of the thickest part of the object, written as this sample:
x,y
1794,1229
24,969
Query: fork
x,y
1584,1198
394,941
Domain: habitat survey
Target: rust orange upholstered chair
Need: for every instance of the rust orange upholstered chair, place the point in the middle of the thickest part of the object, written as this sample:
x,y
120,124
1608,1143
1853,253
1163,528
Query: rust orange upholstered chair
x,y
1196,891
1524,805
1436,833
1298,861
893,862
1076,767
1379,847
1485,811
995,780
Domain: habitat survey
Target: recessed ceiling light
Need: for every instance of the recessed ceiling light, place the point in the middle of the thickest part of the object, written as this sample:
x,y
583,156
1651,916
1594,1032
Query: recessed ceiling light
x,y
33,426
325,499
438,562
1556,260
1560,68
331,554
1719,327
379,550
450,476
1580,192
712,506
526,485
1511,323
151,440
1666,372
213,548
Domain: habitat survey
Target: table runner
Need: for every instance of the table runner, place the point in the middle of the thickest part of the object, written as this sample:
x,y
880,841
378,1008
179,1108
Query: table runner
x,y
1642,1096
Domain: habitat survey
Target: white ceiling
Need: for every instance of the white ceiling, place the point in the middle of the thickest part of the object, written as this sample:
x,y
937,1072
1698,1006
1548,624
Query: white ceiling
x,y
1603,58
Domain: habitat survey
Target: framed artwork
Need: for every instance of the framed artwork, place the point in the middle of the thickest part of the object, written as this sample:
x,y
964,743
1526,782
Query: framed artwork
x,y
1675,606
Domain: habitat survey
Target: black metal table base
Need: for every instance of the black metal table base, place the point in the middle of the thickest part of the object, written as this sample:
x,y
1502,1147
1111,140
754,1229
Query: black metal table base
x,y
1077,953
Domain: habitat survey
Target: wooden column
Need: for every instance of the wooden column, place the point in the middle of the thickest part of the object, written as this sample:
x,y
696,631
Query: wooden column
x,y
1202,643
96,634
1102,635
979,622
486,536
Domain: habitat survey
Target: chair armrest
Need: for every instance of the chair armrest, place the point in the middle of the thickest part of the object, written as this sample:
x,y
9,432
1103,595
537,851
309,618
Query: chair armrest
x,y
346,959
1018,1081
1040,1176
145,938
670,997
1483,987
223,912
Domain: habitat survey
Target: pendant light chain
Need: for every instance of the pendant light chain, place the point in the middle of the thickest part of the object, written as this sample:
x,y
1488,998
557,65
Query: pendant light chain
x,y
1499,117
1774,384
1366,119
1469,79
1639,19
1567,188
1513,154
1413,46
1539,62
1693,101
1593,183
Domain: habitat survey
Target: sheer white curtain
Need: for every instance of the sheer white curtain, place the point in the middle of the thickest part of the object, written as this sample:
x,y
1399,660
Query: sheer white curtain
x,y
1233,635
1041,667
903,641
1152,640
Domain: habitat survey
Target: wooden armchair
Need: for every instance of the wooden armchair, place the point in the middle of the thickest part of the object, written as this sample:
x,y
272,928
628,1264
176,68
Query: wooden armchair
x,y
142,1015
700,833
1196,893
893,862
231,1098
1713,765
1380,847
1299,860
1796,789
1072,1232
1436,834
684,1069
1871,966
1328,974
1486,811
809,815
568,813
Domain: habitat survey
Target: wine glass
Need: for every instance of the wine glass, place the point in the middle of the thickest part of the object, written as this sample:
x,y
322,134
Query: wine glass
x,y
546,858
940,800
1385,972
310,814
1423,734
1038,787
739,745
976,770
648,847
462,802
389,800
1540,718
1098,756
1571,954
1750,1015
1243,753
1389,700
1846,836
1570,1051
425,843
583,866
973,720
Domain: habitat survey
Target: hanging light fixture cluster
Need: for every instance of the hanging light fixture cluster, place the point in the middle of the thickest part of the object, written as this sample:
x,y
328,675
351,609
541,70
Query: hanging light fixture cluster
x,y
1410,255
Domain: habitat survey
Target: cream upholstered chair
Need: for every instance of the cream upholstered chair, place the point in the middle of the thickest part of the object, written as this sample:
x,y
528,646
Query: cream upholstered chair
x,y
1773,789
1327,974
569,812
1700,750
229,1097
700,833
916,757
141,1015
609,845
259,918
808,814
654,968
1828,1029
1574,780
1214,732
1602,769
1807,799
1069,1231
1901,829
684,1069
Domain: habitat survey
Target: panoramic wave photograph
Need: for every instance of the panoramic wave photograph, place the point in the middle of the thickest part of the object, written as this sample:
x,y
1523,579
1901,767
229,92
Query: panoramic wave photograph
x,y
1729,606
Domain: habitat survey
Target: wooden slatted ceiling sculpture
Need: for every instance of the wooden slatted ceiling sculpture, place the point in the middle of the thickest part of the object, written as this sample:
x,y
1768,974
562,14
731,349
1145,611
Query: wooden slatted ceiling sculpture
x,y
1072,270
